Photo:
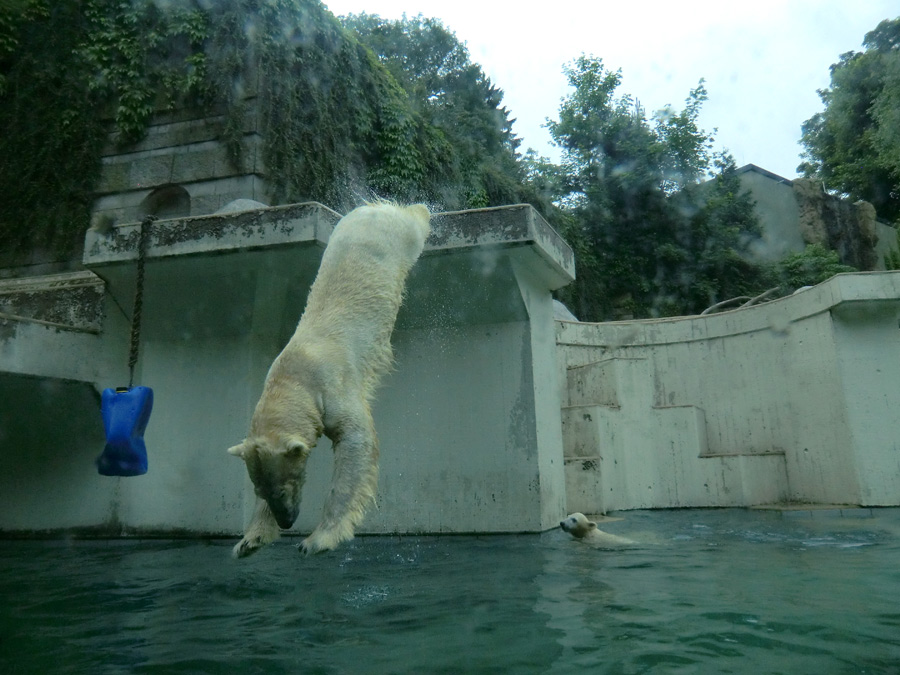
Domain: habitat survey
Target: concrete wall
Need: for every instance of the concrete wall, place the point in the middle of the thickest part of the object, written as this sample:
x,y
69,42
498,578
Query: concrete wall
x,y
50,433
792,400
792,215
181,149
867,342
776,207
468,421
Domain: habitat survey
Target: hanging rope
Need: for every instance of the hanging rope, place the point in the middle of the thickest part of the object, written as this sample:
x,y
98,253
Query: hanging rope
x,y
143,240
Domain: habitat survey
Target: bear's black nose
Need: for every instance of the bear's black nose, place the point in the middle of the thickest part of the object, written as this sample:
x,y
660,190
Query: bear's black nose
x,y
285,520
285,517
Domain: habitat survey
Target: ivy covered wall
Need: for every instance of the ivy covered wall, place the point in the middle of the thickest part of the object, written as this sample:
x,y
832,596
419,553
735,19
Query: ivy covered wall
x,y
336,125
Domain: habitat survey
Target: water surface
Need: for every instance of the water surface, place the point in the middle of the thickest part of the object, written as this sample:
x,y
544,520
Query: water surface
x,y
712,591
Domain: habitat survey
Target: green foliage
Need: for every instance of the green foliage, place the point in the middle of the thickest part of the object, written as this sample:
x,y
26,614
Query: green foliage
x,y
333,121
714,242
853,146
66,67
51,132
13,14
611,177
649,240
688,147
892,257
142,58
469,152
398,109
414,119
810,267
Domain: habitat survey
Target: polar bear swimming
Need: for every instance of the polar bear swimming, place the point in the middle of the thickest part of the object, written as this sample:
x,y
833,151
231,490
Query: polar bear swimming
x,y
586,530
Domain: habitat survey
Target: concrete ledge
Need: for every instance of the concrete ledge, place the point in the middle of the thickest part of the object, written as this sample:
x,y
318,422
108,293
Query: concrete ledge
x,y
287,242
842,292
818,511
517,225
71,301
309,223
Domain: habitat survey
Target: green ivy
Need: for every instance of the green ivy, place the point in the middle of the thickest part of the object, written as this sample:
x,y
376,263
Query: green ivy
x,y
52,134
811,266
71,72
892,257
335,124
143,59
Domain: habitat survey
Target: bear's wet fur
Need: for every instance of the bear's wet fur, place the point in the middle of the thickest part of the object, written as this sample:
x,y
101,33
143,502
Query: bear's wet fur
x,y
324,380
578,525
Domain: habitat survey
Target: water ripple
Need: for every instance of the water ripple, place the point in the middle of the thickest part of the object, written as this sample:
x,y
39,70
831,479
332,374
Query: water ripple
x,y
718,592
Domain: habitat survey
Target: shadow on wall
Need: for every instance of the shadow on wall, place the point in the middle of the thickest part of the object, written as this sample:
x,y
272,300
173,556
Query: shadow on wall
x,y
168,201
50,433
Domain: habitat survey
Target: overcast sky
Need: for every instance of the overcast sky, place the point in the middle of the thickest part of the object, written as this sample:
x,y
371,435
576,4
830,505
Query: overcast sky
x,y
763,61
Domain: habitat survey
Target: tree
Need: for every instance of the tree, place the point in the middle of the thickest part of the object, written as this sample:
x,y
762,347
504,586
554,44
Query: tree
x,y
892,257
716,237
472,131
688,147
611,182
335,123
811,266
649,239
853,146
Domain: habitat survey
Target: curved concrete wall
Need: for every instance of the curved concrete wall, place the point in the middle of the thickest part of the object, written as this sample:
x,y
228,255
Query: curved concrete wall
x,y
794,400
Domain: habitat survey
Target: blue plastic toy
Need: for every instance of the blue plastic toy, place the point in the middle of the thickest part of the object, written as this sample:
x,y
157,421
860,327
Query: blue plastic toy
x,y
125,415
126,410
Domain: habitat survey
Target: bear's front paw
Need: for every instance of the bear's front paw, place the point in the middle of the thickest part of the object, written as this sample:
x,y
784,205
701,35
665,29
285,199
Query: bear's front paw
x,y
317,543
247,547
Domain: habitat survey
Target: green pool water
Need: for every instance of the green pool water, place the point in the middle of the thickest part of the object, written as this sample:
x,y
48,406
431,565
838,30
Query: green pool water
x,y
710,591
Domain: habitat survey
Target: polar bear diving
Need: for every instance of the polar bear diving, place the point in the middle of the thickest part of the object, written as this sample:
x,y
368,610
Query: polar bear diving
x,y
324,380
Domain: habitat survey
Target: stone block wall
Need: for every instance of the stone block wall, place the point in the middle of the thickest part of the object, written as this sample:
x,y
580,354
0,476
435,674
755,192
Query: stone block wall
x,y
180,169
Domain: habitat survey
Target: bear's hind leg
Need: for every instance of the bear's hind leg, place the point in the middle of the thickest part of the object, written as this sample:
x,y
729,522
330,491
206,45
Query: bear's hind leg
x,y
353,484
262,530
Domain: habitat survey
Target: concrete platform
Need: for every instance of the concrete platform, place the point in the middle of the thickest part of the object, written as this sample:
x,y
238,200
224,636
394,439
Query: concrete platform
x,y
496,419
468,422
71,301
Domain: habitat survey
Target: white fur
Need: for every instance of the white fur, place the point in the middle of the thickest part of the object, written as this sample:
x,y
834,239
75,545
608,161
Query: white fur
x,y
586,530
324,379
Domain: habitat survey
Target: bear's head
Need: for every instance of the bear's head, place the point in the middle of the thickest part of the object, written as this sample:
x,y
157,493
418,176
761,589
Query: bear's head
x,y
578,525
277,469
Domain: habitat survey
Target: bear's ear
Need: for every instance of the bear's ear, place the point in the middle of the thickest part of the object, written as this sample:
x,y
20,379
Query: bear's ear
x,y
419,211
238,450
296,448
592,525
